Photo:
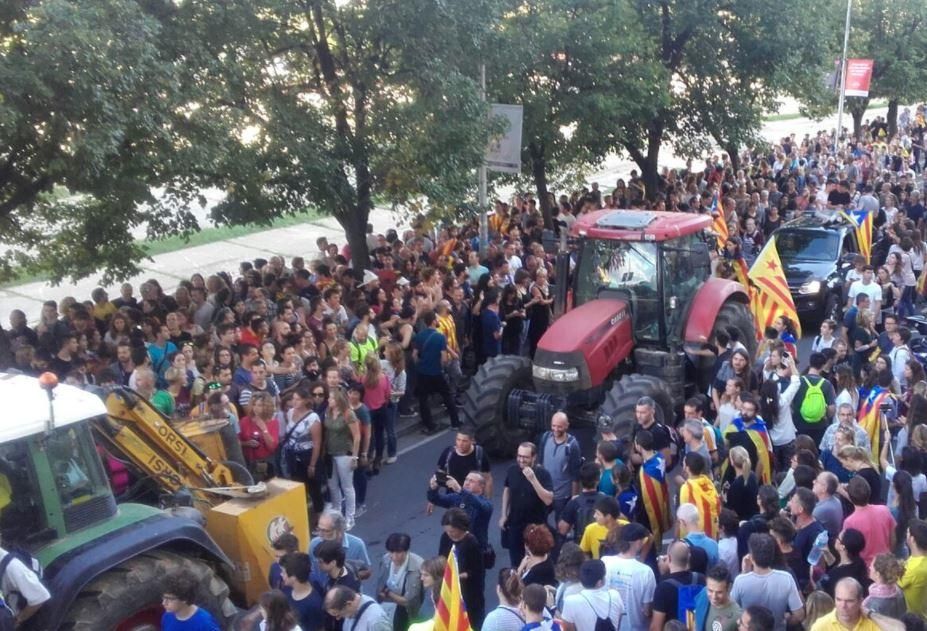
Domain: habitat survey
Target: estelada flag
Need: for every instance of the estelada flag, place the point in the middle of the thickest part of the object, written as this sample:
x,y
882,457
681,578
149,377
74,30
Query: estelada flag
x,y
654,497
451,611
701,492
755,439
870,419
769,278
719,222
863,220
741,271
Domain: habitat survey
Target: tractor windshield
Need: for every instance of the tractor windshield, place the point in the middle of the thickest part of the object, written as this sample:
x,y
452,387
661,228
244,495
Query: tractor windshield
x,y
621,269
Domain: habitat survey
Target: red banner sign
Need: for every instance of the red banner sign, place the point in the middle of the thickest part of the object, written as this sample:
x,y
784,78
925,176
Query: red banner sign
x,y
859,74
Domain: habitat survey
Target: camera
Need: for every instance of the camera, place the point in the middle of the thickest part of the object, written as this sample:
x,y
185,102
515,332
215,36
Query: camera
x,y
441,477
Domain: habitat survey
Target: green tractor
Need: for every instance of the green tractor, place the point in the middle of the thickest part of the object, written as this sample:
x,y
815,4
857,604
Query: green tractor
x,y
104,563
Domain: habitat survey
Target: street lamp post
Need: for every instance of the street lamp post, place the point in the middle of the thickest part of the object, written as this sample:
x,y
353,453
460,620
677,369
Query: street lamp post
x,y
843,76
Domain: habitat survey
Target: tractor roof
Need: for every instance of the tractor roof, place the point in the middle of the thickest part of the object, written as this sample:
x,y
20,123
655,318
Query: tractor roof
x,y
27,406
638,225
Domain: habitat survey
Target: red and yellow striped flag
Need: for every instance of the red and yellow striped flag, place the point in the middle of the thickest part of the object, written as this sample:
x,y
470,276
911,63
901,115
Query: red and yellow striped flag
x,y
701,492
775,299
451,611
869,418
719,222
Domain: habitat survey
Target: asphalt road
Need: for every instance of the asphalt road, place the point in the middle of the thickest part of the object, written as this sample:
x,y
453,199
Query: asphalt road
x,y
396,497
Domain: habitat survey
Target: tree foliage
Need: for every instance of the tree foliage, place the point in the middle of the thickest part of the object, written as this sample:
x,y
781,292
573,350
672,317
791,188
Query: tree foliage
x,y
894,36
348,102
575,68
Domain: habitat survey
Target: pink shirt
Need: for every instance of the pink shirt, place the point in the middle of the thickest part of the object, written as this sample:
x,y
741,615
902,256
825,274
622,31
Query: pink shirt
x,y
877,524
376,398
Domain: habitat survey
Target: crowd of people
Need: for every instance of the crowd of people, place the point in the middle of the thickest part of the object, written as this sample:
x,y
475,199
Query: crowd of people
x,y
791,486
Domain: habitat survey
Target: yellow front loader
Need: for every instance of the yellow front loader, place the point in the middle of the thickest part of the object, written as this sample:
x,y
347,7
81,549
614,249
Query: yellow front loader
x,y
242,517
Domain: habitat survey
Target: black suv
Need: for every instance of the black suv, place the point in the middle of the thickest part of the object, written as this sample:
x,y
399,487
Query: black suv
x,y
816,253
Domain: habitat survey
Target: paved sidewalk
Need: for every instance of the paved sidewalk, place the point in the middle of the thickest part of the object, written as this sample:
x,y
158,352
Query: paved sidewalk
x,y
169,269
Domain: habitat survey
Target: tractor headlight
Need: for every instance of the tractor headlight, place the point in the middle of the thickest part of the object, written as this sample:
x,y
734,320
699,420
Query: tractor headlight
x,y
555,374
811,287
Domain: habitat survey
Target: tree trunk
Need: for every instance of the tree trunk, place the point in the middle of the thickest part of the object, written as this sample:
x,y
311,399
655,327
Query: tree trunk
x,y
354,222
857,107
539,172
892,117
731,151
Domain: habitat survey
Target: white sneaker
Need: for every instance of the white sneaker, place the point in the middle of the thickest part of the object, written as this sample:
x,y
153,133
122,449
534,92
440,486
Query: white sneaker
x,y
350,524
390,460
360,510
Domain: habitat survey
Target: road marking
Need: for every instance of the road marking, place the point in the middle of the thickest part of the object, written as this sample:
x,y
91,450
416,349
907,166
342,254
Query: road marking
x,y
423,441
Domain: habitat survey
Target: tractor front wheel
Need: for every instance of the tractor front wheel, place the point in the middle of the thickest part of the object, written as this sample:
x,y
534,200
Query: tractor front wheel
x,y
484,404
127,597
621,400
737,315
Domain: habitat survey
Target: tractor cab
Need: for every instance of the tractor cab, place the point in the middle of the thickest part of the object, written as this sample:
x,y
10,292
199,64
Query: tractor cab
x,y
657,273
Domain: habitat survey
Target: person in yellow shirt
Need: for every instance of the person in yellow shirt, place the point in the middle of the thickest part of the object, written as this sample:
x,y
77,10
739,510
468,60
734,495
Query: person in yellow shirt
x,y
914,581
607,517
848,612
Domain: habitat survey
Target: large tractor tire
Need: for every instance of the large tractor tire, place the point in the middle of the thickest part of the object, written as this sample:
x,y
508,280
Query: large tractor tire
x,y
128,596
484,403
621,400
737,315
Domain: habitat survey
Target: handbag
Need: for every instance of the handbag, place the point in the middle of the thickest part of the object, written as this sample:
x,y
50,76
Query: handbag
x,y
295,459
489,557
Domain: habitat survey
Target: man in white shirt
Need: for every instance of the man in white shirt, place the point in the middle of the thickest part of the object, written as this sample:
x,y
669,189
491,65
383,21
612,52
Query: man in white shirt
x,y
900,354
21,587
514,260
633,580
594,602
868,286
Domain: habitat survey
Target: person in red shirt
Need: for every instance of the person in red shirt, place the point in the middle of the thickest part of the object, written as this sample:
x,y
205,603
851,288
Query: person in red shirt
x,y
259,435
875,521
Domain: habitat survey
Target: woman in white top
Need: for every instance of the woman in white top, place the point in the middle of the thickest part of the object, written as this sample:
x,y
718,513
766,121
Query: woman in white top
x,y
776,410
302,442
826,338
847,392
507,616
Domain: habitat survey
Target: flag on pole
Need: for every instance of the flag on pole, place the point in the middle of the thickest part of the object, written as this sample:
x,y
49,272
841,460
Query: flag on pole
x,y
775,298
870,419
741,270
863,220
719,222
451,611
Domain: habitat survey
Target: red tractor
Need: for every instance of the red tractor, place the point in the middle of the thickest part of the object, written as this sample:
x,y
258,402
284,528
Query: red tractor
x,y
640,306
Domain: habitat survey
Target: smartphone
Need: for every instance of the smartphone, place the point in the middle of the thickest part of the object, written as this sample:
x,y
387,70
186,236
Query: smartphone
x,y
441,477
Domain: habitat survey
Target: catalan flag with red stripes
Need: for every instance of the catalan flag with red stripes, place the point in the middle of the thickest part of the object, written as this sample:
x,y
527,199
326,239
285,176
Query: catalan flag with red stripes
x,y
451,611
864,223
870,419
654,496
774,298
719,222
701,492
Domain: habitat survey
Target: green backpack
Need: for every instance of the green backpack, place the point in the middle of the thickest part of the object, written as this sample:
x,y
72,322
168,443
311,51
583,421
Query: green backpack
x,y
813,406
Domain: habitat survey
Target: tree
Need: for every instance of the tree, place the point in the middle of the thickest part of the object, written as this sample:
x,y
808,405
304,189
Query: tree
x,y
94,98
573,67
894,36
353,101
722,64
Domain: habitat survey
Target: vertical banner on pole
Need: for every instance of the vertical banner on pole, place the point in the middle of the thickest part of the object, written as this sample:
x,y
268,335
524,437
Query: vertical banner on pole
x,y
504,151
859,75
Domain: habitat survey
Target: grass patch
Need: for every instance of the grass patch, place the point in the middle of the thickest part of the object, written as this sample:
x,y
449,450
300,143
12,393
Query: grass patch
x,y
204,236
774,118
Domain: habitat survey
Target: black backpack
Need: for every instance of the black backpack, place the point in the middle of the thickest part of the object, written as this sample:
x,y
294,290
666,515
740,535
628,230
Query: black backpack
x,y
585,515
602,624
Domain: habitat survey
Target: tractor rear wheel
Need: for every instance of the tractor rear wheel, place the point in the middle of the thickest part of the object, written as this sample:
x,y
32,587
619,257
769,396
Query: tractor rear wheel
x,y
621,400
484,403
128,596
737,315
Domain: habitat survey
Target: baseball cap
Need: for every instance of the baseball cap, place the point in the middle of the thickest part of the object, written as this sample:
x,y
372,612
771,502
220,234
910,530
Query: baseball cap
x,y
634,532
